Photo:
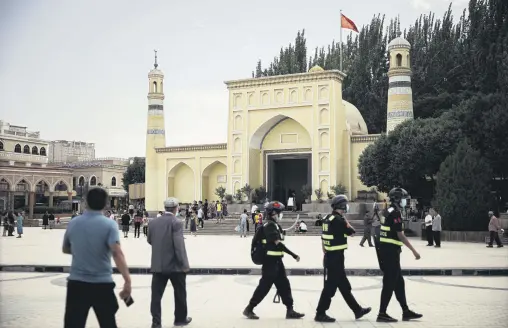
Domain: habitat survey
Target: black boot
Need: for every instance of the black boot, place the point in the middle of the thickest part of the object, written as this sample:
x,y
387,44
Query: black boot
x,y
323,318
292,314
410,315
383,317
249,313
362,312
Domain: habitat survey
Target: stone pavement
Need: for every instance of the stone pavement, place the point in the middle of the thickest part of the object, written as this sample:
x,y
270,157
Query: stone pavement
x,y
38,300
43,247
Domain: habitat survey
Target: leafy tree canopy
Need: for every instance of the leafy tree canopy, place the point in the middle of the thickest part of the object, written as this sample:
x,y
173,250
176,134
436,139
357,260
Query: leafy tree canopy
x,y
135,173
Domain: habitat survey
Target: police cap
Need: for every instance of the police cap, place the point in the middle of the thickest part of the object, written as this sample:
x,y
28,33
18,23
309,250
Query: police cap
x,y
274,206
339,202
397,194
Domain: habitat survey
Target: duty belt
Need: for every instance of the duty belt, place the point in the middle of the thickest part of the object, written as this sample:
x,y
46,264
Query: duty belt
x,y
388,240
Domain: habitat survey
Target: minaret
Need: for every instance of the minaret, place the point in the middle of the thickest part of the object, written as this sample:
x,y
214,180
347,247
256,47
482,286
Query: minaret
x,y
155,137
400,95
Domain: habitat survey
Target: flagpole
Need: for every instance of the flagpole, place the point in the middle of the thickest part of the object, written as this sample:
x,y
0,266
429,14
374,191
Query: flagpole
x,y
340,41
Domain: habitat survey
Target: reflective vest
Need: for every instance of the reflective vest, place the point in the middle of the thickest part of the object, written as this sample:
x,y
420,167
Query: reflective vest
x,y
387,235
331,242
274,253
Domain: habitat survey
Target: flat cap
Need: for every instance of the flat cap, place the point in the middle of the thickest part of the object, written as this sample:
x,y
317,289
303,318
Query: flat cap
x,y
171,202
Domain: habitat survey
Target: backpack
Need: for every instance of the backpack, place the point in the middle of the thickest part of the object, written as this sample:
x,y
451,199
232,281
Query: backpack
x,y
257,250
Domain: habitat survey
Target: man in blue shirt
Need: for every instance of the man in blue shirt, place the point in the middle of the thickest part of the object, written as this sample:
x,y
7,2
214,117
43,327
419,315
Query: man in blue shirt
x,y
92,239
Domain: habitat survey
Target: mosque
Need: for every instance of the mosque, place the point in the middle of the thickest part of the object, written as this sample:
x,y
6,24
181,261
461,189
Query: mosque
x,y
284,132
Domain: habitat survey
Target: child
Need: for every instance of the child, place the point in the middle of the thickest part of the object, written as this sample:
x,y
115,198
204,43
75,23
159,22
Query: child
x,y
194,222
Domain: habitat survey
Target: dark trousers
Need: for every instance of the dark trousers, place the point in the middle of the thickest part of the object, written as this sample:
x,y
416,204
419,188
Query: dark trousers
x,y
494,235
367,236
200,221
159,283
137,229
437,238
187,218
336,278
145,230
273,272
389,259
247,221
430,237
81,296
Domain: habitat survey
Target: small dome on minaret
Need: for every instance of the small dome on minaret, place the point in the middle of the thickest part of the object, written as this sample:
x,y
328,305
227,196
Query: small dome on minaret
x,y
316,68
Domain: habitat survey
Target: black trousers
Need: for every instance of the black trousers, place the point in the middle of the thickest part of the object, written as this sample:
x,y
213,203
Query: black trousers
x,y
137,229
247,221
81,296
367,236
159,283
437,237
336,278
494,235
200,221
389,261
430,237
145,230
273,272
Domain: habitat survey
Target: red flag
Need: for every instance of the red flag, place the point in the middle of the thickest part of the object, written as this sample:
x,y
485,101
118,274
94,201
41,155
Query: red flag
x,y
347,23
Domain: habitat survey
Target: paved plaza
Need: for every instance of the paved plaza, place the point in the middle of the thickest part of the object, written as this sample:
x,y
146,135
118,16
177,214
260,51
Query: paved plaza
x,y
37,300
43,247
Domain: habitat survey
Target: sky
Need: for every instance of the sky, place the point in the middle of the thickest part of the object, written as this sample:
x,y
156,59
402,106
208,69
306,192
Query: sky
x,y
77,70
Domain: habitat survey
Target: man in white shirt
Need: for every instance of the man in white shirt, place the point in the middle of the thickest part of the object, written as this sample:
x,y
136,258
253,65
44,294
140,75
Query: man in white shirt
x,y
201,214
428,229
253,211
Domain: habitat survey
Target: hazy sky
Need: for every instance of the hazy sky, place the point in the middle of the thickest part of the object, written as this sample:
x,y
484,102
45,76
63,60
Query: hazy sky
x,y
77,69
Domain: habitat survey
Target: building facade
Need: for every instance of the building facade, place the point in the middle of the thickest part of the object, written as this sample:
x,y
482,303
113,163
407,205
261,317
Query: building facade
x,y
63,151
284,132
26,180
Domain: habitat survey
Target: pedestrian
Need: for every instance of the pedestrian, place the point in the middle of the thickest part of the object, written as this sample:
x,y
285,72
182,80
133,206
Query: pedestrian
x,y
51,220
5,222
219,212
169,262
201,215
138,220
45,220
243,224
193,222
145,225
391,239
90,282
126,222
11,219
253,211
494,229
19,224
335,230
273,270
428,228
436,228
367,229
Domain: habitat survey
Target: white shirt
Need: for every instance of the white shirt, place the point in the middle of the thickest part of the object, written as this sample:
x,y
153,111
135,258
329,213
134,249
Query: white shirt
x,y
200,213
303,226
112,216
428,220
158,215
290,201
254,209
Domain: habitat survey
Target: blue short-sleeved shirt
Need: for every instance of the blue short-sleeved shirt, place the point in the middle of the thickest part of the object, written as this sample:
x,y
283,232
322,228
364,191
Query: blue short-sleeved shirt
x,y
89,237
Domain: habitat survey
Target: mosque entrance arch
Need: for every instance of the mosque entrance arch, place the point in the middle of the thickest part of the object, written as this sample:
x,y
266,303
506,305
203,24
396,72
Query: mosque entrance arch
x,y
285,150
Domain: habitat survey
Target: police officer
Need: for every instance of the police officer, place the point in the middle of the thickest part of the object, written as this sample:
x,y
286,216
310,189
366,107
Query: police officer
x,y
273,271
334,236
391,238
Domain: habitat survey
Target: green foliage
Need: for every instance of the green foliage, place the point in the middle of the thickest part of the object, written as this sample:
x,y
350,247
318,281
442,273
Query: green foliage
x,y
319,194
228,198
220,192
135,173
339,189
260,194
330,195
247,191
462,189
306,191
239,196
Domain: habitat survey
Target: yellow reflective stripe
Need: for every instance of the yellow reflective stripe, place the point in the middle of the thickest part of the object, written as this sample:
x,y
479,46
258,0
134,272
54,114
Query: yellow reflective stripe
x,y
335,248
331,217
345,235
390,241
385,228
264,241
274,253
326,236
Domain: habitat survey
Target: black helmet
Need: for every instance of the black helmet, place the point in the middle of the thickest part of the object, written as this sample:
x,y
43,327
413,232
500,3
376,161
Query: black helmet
x,y
339,202
273,207
397,194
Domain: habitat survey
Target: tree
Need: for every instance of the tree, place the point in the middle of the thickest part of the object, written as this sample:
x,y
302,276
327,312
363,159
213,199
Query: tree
x,y
247,191
220,192
135,173
463,188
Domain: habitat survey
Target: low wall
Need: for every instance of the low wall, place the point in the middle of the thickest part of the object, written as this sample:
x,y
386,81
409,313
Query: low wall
x,y
468,236
31,223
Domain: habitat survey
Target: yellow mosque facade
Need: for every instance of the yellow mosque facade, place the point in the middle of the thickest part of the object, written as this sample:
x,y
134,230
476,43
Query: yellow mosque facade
x,y
283,132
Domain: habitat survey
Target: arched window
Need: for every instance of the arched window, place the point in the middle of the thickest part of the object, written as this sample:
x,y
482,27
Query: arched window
x,y
1,146
17,148
35,151
26,149
93,181
154,87
81,181
42,152
113,182
399,60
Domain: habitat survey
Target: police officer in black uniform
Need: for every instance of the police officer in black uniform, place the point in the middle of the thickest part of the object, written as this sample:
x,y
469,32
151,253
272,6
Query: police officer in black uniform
x,y
334,236
390,240
273,270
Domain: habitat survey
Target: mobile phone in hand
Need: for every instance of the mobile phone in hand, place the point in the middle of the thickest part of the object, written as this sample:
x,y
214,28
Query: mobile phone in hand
x,y
128,301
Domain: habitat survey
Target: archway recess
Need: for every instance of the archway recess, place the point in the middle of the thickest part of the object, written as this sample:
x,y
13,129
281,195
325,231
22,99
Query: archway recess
x,y
213,176
181,183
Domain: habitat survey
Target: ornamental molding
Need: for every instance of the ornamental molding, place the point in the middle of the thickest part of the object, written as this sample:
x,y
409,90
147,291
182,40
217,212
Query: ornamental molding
x,y
155,131
398,71
365,139
334,75
220,146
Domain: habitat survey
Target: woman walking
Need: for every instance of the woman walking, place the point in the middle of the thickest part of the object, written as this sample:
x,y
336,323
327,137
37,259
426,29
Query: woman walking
x,y
243,224
194,223
138,219
19,224
145,225
45,220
